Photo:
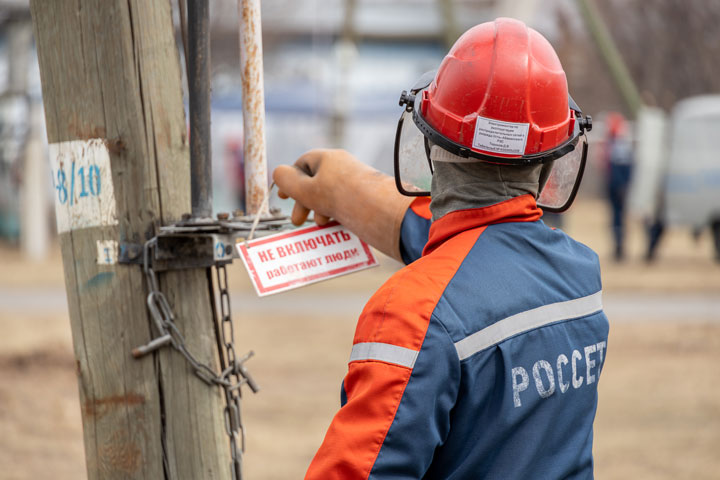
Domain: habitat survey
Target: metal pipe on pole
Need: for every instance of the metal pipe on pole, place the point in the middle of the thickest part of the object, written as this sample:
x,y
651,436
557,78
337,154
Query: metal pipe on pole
x,y
199,87
253,100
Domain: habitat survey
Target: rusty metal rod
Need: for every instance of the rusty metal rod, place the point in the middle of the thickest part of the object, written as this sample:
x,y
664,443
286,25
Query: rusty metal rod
x,y
199,87
253,99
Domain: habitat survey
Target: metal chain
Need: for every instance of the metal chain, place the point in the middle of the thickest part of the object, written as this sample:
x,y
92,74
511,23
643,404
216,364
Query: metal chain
x,y
233,418
234,375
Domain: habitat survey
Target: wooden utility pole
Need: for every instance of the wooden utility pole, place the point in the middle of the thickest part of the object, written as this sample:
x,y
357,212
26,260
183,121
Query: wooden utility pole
x,y
113,104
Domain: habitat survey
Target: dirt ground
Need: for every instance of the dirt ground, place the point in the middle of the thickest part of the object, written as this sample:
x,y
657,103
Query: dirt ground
x,y
659,412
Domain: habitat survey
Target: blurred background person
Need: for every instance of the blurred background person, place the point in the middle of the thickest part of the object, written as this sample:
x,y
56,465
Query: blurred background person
x,y
619,158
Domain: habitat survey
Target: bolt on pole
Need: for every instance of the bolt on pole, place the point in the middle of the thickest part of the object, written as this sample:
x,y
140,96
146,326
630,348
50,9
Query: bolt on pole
x,y
253,100
199,88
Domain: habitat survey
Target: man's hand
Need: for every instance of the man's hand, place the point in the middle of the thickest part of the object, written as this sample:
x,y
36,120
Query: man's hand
x,y
313,182
334,184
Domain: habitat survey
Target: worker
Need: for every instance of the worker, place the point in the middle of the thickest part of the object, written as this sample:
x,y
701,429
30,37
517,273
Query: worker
x,y
481,357
619,161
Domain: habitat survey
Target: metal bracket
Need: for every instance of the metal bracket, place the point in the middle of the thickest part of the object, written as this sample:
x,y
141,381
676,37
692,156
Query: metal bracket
x,y
192,250
201,244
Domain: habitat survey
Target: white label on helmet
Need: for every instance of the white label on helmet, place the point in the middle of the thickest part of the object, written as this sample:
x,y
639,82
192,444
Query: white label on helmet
x,y
500,137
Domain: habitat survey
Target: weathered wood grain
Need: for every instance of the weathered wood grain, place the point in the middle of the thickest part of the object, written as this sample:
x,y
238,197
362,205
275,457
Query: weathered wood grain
x,y
110,70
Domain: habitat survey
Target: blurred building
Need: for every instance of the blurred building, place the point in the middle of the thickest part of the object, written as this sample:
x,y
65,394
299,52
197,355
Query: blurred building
x,y
19,95
334,70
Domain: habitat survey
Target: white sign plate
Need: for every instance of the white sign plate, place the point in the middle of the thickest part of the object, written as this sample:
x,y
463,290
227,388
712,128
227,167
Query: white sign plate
x,y
107,252
82,179
288,260
500,137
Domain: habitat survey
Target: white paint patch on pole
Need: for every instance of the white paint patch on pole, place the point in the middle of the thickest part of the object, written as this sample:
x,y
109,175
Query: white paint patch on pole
x,y
253,100
107,252
82,179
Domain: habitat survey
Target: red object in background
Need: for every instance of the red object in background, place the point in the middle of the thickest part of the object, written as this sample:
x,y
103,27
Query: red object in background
x,y
616,124
235,165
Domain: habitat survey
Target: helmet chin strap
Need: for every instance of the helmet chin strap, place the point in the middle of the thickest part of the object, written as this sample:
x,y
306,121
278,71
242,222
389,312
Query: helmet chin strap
x,y
459,185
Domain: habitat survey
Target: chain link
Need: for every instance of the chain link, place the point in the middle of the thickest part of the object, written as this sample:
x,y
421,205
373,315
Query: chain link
x,y
234,374
233,418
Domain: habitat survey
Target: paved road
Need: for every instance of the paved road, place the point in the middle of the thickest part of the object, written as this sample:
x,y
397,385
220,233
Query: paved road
x,y
621,307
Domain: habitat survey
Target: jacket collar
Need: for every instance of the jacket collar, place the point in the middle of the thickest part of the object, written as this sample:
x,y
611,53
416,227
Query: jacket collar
x,y
518,209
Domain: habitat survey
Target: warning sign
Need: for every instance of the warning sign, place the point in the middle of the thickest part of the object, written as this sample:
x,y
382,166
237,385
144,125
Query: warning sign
x,y
500,137
307,255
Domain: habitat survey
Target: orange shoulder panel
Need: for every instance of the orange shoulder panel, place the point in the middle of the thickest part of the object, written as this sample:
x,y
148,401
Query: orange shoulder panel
x,y
421,207
399,312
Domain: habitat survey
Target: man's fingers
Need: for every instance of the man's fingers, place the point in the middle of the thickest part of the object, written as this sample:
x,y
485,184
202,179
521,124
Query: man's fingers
x,y
299,214
321,219
292,182
300,183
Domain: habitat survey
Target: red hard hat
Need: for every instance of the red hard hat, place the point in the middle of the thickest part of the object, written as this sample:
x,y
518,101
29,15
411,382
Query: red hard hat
x,y
500,71
499,96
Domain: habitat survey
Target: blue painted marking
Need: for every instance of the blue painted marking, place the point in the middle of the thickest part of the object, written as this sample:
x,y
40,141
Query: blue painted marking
x,y
83,191
72,184
61,187
220,250
99,280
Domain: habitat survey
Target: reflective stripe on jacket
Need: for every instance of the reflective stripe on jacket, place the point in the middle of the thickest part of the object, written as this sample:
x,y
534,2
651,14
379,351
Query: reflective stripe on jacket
x,y
479,360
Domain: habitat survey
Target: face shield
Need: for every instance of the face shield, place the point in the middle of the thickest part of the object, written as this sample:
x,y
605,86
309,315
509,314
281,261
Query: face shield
x,y
415,139
413,167
560,179
412,164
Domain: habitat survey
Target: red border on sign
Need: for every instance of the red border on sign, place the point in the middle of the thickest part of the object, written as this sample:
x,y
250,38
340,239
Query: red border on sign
x,y
300,231
292,233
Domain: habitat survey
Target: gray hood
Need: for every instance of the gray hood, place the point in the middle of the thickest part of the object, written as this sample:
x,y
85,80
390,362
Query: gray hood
x,y
459,186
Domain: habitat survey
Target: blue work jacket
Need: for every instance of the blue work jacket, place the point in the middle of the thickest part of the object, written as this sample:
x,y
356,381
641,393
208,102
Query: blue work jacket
x,y
478,360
